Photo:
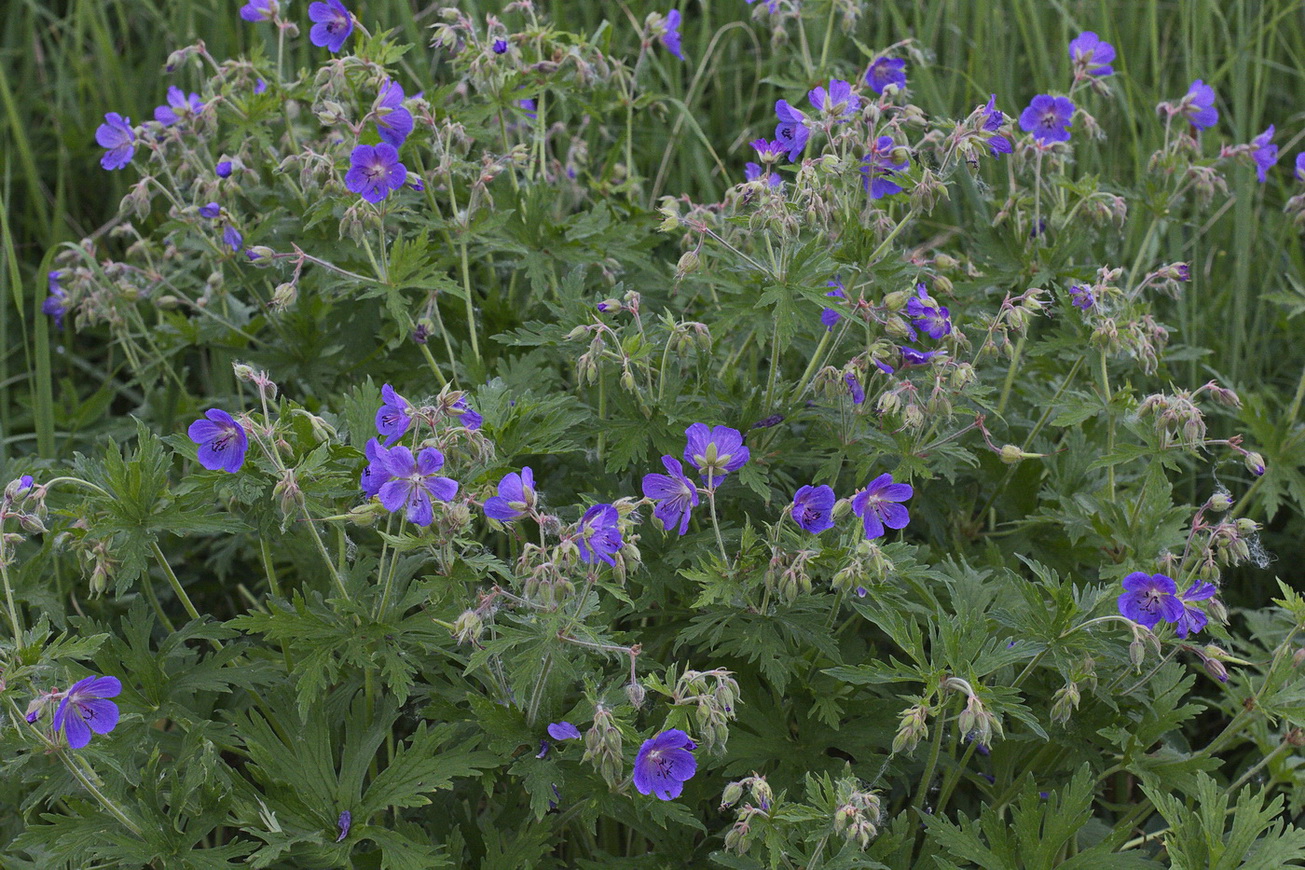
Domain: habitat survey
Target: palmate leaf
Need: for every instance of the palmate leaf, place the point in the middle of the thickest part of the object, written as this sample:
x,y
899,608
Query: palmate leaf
x,y
427,762
1199,836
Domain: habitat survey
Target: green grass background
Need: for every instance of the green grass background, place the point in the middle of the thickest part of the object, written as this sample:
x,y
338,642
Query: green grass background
x,y
64,63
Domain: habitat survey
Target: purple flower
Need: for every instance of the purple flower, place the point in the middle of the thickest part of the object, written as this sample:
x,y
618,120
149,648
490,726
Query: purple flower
x,y
259,10
210,210
769,150
1197,106
830,316
344,823
670,37
394,416
1088,53
1300,166
1081,297
332,24
854,388
393,121
563,731
470,418
878,167
1264,153
222,442
413,483
260,86
119,138
993,119
913,357
877,508
223,169
1048,118
928,316
516,496
664,763
791,130
885,71
1149,599
500,46
528,106
179,107
675,494
1193,618
374,171
838,103
83,710
377,473
231,236
56,304
714,451
598,537
813,508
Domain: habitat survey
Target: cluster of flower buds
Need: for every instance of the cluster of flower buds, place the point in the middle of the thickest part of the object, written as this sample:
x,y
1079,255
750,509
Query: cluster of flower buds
x,y
715,694
740,837
1177,419
977,724
24,502
788,575
603,746
911,728
1066,699
858,813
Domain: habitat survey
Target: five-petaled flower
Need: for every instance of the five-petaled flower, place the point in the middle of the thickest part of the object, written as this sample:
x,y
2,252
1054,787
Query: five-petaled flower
x,y
516,496
993,119
675,495
394,416
664,763
56,304
1193,618
831,316
791,130
1048,118
84,709
927,315
838,103
813,508
332,24
117,136
500,46
877,168
377,473
598,536
670,35
714,451
1197,106
179,108
467,415
1264,153
375,171
1081,297
1150,598
854,388
222,441
393,121
413,483
885,71
1091,56
259,10
877,505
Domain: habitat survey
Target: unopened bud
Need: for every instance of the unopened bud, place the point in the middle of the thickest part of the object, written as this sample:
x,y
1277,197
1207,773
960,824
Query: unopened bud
x,y
1219,502
733,792
688,263
468,627
1254,463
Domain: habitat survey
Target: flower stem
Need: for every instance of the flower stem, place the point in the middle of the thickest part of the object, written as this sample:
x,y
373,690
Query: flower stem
x,y
715,524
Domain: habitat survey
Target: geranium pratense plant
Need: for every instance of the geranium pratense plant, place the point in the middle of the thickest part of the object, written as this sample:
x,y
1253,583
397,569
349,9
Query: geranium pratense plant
x,y
473,328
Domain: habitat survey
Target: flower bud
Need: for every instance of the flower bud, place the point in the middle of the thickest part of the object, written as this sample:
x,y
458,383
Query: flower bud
x,y
688,263
284,296
1254,463
1219,502
468,627
1010,454
636,693
733,792
260,255
1065,703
